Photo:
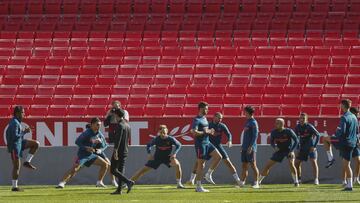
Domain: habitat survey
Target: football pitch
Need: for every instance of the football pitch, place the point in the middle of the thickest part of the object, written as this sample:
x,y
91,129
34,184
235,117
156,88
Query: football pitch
x,y
168,193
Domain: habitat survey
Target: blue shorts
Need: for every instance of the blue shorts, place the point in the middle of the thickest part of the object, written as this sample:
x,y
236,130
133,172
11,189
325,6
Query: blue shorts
x,y
304,154
222,151
16,152
87,160
248,158
347,152
156,162
102,155
203,151
280,155
356,152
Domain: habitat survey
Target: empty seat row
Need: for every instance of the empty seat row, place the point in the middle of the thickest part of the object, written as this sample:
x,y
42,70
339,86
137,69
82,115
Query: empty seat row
x,y
161,6
171,110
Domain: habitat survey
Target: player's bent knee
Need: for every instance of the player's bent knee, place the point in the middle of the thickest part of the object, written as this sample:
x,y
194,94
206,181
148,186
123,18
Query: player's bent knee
x,y
218,155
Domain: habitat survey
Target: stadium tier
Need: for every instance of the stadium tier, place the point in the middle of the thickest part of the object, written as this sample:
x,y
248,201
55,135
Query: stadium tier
x,y
160,58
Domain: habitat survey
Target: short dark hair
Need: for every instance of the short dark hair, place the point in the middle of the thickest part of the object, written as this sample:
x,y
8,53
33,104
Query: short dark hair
x,y
218,114
250,110
202,104
18,109
346,103
304,114
354,110
95,120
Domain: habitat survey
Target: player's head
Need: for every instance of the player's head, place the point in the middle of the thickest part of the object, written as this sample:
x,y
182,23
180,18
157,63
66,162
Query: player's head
x,y
163,130
249,111
95,124
279,123
303,118
119,113
355,111
19,112
218,117
345,105
116,104
203,108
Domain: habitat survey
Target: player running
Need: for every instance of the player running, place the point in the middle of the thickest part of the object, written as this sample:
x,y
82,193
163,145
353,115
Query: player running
x,y
203,147
220,128
163,155
249,147
16,144
309,138
91,143
284,142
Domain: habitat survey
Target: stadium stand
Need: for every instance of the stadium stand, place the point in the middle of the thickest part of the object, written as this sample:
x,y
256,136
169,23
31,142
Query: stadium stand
x,y
161,57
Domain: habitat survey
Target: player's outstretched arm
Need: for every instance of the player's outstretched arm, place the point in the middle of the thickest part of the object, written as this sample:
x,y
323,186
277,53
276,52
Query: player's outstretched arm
x,y
150,145
177,145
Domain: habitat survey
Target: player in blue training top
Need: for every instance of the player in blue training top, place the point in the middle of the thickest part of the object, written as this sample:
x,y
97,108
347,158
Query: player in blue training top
x,y
309,138
356,153
347,132
249,147
16,144
90,145
284,142
337,142
164,154
220,128
203,147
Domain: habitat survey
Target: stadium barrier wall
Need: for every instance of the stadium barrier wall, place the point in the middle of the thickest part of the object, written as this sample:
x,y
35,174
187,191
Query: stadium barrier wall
x,y
63,131
53,162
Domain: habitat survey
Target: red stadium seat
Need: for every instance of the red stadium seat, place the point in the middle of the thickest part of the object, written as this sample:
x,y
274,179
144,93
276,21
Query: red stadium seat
x,y
290,110
57,111
76,111
271,110
38,111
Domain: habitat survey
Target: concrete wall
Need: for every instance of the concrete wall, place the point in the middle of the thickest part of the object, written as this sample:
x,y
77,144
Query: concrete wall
x,y
53,162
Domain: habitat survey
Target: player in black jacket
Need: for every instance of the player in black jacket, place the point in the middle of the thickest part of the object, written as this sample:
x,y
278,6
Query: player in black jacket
x,y
121,142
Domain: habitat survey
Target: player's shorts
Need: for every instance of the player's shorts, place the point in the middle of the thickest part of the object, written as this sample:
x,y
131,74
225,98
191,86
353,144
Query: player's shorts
x,y
89,163
156,162
356,152
347,152
17,150
304,154
87,160
222,151
203,151
248,158
280,155
335,142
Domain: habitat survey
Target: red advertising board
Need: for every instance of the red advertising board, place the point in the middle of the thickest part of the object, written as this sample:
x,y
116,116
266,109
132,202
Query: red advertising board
x,y
63,131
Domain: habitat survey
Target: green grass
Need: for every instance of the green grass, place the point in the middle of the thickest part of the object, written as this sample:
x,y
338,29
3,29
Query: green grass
x,y
168,193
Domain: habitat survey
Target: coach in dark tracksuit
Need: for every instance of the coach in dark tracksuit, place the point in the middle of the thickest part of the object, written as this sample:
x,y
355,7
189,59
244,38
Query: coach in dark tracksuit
x,y
121,142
